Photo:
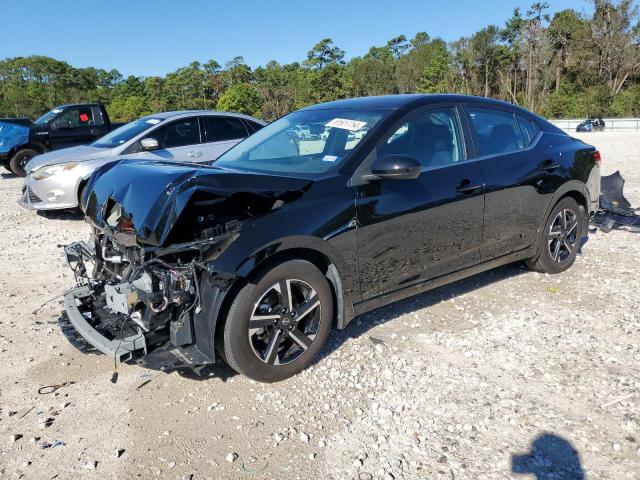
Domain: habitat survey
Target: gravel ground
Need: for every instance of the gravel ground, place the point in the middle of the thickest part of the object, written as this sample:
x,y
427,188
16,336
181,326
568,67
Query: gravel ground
x,y
508,374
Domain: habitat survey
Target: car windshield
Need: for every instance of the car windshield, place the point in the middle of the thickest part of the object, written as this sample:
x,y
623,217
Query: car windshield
x,y
308,142
126,132
47,116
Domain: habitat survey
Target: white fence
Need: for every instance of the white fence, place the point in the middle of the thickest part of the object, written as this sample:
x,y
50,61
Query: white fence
x,y
610,123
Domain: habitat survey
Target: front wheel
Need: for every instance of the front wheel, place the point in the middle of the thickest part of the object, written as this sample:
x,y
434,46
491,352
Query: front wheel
x,y
560,239
19,161
277,326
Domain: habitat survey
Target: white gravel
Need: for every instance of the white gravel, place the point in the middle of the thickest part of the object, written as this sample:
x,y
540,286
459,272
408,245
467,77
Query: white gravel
x,y
503,373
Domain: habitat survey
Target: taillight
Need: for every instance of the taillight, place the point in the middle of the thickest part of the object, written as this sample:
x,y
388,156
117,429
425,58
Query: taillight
x,y
596,157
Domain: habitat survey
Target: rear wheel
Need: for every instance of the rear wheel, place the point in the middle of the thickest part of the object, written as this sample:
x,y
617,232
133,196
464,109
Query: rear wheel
x,y
19,161
560,240
276,326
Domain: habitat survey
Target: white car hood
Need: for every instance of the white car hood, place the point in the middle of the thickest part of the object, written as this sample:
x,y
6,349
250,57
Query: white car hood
x,y
80,153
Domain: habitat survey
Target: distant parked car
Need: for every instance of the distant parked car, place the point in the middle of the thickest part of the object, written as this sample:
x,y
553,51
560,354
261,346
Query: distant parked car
x,y
63,126
55,180
591,125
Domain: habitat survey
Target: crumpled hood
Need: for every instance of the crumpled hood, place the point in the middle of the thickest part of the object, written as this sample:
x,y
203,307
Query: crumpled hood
x,y
151,194
81,153
12,135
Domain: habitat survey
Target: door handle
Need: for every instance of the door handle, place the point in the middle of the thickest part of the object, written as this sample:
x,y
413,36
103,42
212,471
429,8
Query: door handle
x,y
467,187
194,154
549,165
94,131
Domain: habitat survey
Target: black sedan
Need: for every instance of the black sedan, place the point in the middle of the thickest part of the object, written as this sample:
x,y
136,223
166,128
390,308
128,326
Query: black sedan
x,y
255,258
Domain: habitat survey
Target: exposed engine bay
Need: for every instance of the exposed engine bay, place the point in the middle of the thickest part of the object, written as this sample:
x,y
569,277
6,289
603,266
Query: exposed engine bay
x,y
147,283
146,295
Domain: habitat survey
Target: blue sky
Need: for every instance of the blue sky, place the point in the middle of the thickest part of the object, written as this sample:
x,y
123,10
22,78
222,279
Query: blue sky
x,y
154,37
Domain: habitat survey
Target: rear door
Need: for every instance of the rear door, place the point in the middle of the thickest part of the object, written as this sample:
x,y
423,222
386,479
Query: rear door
x,y
221,133
410,231
518,169
179,140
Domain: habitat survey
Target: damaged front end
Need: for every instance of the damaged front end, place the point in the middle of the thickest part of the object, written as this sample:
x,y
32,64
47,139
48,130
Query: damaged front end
x,y
131,302
148,290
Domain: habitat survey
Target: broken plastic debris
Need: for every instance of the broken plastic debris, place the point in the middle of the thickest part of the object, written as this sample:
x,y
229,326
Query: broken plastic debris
x,y
615,210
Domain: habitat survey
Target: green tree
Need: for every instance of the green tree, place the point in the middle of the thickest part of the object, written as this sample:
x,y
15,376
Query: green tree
x,y
125,109
324,53
616,34
567,33
435,77
241,98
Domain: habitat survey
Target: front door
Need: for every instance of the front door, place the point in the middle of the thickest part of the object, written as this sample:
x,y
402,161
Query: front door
x,y
72,127
410,231
178,141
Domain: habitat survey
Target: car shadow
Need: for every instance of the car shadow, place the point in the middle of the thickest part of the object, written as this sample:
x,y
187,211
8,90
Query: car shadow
x,y
360,325
8,175
550,457
68,214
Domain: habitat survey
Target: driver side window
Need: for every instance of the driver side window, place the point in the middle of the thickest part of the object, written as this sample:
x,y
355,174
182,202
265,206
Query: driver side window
x,y
75,118
432,137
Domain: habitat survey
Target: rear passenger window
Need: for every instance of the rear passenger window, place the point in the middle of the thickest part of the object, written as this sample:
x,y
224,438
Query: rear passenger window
x,y
224,128
497,131
528,129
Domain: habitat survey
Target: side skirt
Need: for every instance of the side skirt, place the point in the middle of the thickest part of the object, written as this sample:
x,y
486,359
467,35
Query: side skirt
x,y
387,298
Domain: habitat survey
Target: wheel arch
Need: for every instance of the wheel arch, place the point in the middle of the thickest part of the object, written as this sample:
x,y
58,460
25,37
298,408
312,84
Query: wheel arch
x,y
26,146
572,189
327,262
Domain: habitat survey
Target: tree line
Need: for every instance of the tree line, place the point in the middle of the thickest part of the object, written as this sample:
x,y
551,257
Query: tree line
x,y
563,65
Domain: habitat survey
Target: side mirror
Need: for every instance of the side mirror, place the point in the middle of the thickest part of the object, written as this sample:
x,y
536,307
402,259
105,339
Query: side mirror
x,y
395,167
149,144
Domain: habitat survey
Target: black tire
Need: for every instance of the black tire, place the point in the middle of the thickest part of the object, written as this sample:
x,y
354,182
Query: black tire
x,y
20,160
560,239
251,352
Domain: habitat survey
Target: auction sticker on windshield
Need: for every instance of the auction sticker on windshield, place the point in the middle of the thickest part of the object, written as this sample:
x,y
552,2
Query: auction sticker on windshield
x,y
346,124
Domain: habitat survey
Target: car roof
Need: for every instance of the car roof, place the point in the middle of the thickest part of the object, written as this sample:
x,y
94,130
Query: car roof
x,y
66,105
401,100
175,113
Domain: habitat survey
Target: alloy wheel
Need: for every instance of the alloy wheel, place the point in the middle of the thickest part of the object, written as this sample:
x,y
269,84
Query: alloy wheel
x,y
563,235
284,322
